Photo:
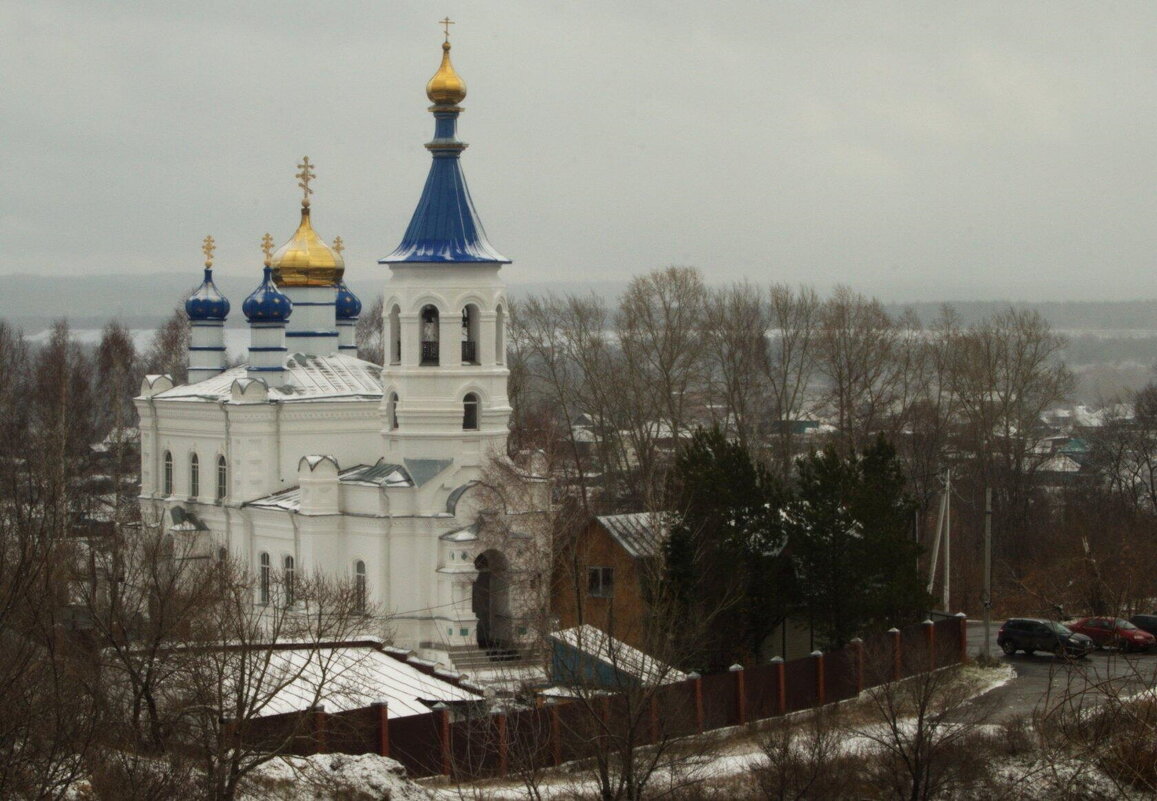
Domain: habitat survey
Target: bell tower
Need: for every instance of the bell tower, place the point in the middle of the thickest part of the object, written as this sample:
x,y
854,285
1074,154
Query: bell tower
x,y
445,374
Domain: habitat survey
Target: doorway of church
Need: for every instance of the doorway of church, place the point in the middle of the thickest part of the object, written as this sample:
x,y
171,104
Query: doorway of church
x,y
490,602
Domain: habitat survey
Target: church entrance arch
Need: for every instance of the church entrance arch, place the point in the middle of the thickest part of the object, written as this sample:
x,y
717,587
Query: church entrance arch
x,y
490,600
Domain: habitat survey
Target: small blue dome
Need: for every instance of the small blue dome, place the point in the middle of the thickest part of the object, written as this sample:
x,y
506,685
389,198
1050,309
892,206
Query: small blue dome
x,y
348,305
207,302
267,303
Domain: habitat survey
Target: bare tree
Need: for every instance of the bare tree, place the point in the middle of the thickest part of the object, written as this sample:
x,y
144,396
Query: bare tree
x,y
168,353
794,319
735,336
370,334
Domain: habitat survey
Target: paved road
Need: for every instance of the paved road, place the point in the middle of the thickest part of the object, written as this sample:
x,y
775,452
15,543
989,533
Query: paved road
x,y
1043,679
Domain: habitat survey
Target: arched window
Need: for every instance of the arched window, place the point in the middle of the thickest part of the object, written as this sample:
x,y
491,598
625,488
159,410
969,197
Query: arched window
x,y
500,336
167,485
222,554
395,329
470,334
393,411
470,412
194,476
263,579
360,586
429,335
289,576
222,478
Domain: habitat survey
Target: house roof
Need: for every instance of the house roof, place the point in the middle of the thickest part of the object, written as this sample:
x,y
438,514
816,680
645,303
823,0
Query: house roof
x,y
623,658
307,378
352,677
639,533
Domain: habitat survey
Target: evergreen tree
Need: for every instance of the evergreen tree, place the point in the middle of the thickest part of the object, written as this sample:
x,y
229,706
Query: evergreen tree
x,y
849,529
722,556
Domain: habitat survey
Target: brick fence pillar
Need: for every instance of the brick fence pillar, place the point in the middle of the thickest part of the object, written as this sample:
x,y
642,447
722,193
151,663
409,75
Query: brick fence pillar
x,y
503,746
443,721
697,688
963,635
897,671
383,727
555,736
821,690
930,641
317,724
780,686
740,694
858,657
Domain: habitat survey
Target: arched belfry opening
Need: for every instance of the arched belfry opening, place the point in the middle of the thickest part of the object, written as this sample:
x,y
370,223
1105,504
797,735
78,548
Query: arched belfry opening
x,y
395,328
470,317
490,601
429,335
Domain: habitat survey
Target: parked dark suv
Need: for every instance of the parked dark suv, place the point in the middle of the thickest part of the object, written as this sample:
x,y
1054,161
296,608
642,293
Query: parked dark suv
x,y
1031,634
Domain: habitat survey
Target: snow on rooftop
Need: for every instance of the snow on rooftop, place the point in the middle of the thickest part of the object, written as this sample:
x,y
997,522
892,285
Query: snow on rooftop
x,y
307,378
622,657
352,678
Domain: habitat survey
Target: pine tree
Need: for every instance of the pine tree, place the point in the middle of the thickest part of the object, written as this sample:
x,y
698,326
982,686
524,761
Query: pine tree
x,y
849,529
722,557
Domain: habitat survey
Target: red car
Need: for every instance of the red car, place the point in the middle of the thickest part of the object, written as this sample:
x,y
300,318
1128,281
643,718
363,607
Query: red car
x,y
1114,631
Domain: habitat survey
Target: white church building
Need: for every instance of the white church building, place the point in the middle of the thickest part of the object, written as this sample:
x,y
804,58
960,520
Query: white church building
x,y
309,458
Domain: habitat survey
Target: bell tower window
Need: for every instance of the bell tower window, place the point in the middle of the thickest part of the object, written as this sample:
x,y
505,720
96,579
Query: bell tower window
x,y
222,478
167,481
395,329
470,412
470,334
429,338
500,336
392,411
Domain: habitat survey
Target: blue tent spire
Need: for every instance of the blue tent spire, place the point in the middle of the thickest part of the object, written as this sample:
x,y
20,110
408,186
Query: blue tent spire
x,y
445,227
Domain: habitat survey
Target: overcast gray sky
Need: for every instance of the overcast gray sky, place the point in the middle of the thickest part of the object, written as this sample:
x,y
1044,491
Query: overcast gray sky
x,y
917,150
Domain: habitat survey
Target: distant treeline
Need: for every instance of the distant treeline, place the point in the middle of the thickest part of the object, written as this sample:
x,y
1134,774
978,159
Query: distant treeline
x,y
1067,316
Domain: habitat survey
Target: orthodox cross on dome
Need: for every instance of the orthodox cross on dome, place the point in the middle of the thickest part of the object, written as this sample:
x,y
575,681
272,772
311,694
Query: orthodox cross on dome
x,y
304,177
446,23
267,248
207,247
338,244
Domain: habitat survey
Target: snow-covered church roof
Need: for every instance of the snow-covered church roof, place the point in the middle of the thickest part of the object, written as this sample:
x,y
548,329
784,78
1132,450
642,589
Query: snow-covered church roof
x,y
307,378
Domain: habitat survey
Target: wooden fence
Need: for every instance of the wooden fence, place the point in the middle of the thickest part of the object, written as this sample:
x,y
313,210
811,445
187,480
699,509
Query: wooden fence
x,y
500,743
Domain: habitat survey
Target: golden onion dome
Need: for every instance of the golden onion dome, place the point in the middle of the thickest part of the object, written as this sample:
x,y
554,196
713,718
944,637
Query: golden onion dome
x,y
446,88
305,260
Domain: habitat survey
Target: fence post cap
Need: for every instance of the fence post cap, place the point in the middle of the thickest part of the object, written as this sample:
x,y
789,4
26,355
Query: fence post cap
x,y
777,660
960,614
816,652
736,668
928,623
380,702
439,706
856,641
693,675
317,708
893,630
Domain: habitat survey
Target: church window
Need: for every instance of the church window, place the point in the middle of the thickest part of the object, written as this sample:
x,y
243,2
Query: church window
x,y
470,412
263,579
167,485
360,585
194,476
392,411
601,582
470,334
500,336
395,335
222,478
289,576
429,336
222,554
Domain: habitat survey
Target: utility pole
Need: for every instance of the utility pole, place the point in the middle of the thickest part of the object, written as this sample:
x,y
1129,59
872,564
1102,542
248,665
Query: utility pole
x,y
947,538
986,598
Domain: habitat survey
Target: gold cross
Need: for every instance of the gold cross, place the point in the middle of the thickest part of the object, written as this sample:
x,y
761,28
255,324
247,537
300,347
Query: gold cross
x,y
267,248
207,247
304,177
446,23
338,245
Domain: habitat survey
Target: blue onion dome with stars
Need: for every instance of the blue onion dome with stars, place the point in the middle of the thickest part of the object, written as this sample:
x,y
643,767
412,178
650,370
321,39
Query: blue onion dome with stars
x,y
267,303
348,304
207,303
